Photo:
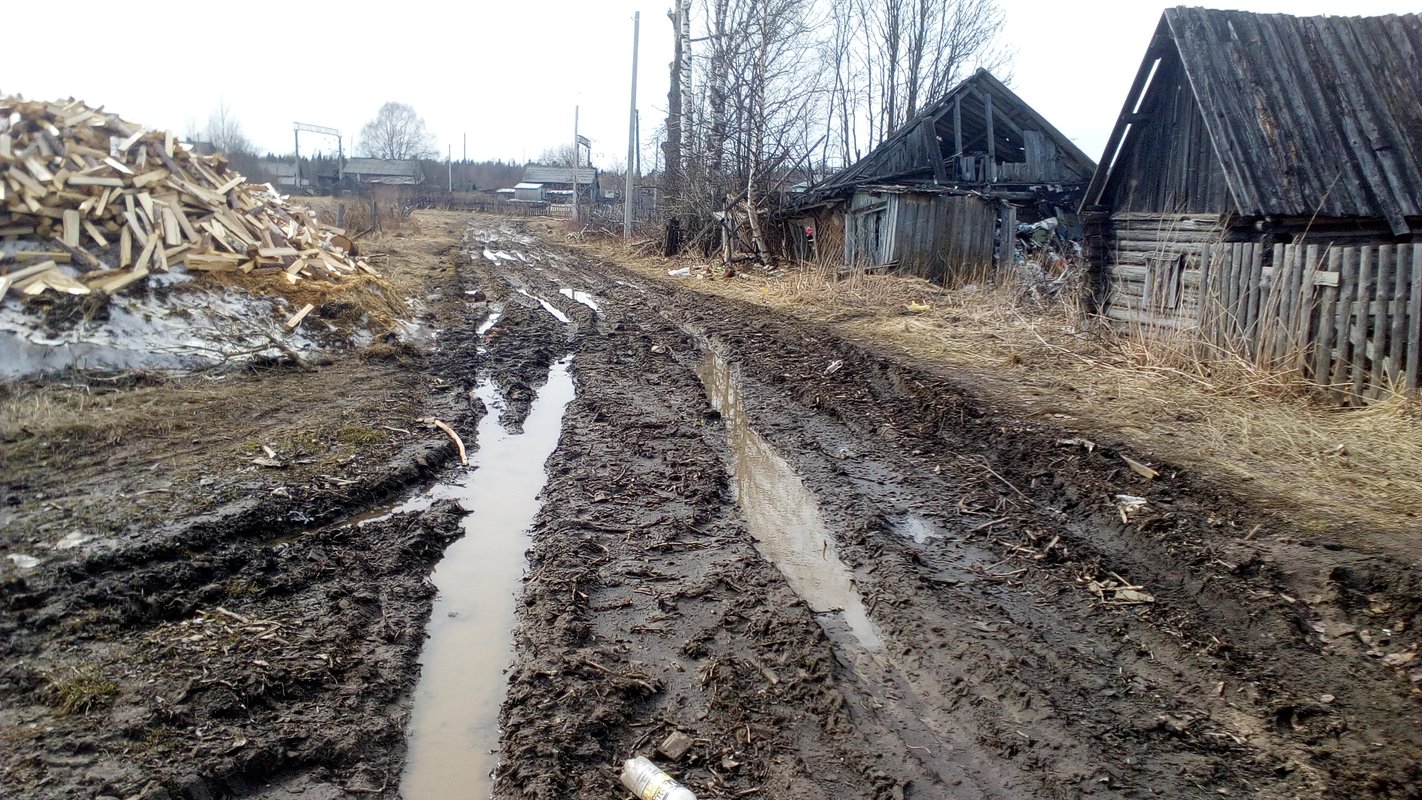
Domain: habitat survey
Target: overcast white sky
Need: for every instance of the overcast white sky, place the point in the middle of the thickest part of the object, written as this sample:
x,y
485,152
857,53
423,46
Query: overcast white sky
x,y
507,73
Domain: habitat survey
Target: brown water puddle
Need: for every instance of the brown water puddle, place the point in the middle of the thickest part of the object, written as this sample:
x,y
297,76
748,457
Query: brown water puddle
x,y
454,733
782,514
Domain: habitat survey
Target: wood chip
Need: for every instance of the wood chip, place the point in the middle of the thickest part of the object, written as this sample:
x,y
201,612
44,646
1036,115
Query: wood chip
x,y
1140,469
675,745
299,316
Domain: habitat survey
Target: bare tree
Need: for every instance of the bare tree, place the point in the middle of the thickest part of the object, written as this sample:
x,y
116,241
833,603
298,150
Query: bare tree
x,y
791,83
224,131
889,58
560,156
744,126
397,132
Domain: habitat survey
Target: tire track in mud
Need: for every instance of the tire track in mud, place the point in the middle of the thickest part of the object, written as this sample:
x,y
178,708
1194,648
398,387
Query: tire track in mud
x,y
972,536
1201,677
639,543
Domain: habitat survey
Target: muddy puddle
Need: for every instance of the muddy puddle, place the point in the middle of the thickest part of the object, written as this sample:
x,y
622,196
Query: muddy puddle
x,y
782,514
496,313
547,306
580,297
454,731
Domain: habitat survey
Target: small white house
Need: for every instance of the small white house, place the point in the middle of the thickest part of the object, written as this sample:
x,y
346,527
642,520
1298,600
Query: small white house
x,y
528,192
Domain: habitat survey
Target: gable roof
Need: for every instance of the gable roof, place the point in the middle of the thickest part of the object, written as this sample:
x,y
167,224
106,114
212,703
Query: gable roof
x,y
886,161
1306,115
585,175
384,166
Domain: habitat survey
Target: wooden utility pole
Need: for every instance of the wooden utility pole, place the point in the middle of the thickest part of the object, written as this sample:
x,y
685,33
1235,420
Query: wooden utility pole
x,y
673,149
627,195
575,164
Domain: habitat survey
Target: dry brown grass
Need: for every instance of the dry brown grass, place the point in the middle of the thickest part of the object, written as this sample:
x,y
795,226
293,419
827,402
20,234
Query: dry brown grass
x,y
50,419
1254,432
389,203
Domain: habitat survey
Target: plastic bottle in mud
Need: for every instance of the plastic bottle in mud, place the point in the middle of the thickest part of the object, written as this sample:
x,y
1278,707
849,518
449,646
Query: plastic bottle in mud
x,y
648,782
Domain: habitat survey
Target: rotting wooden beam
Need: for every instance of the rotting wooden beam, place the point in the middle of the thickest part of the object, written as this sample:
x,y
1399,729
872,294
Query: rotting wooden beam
x,y
1154,53
991,138
958,134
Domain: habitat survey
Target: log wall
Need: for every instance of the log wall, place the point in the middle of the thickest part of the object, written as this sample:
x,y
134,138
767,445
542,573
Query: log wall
x,y
1347,317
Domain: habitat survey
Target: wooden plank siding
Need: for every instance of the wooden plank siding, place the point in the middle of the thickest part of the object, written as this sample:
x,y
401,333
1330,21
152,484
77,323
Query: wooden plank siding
x,y
946,238
1170,163
1347,318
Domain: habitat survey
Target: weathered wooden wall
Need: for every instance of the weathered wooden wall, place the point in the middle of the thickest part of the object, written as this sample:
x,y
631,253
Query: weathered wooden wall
x,y
1170,165
967,242
940,237
1348,318
866,230
1140,252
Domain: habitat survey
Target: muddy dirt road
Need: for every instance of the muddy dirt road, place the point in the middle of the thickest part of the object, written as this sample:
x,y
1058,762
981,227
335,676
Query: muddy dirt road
x,y
837,575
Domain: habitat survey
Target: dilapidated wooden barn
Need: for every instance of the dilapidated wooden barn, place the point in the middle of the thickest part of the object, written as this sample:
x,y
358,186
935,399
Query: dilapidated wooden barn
x,y
942,196
1263,186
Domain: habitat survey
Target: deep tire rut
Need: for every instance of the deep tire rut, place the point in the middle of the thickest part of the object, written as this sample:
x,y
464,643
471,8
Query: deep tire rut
x,y
1003,674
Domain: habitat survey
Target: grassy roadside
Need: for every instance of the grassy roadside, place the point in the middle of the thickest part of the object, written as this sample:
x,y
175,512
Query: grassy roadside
x,y
1353,474
146,437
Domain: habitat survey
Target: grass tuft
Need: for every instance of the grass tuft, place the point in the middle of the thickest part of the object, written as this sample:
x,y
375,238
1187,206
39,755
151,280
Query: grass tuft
x,y
81,690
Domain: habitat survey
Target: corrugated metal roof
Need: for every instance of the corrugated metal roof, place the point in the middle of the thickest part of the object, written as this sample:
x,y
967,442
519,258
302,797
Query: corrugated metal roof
x,y
1308,115
383,166
558,174
527,185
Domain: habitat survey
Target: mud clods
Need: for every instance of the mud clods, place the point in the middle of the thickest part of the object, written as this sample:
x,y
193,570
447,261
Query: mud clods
x,y
257,655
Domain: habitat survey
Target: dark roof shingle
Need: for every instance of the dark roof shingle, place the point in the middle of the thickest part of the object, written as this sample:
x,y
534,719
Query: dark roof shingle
x,y
1308,115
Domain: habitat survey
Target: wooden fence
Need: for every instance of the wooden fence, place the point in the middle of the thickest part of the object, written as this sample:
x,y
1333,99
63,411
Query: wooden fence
x,y
1347,318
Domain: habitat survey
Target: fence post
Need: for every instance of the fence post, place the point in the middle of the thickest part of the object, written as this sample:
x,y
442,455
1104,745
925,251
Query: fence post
x,y
1397,337
1377,342
1342,323
1362,313
1414,320
1323,354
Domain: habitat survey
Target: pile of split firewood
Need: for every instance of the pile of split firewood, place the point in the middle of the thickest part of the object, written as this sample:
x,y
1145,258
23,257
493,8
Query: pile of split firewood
x,y
90,203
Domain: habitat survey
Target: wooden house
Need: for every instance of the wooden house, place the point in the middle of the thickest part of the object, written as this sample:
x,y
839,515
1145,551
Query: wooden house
x,y
559,182
382,172
942,196
1263,186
